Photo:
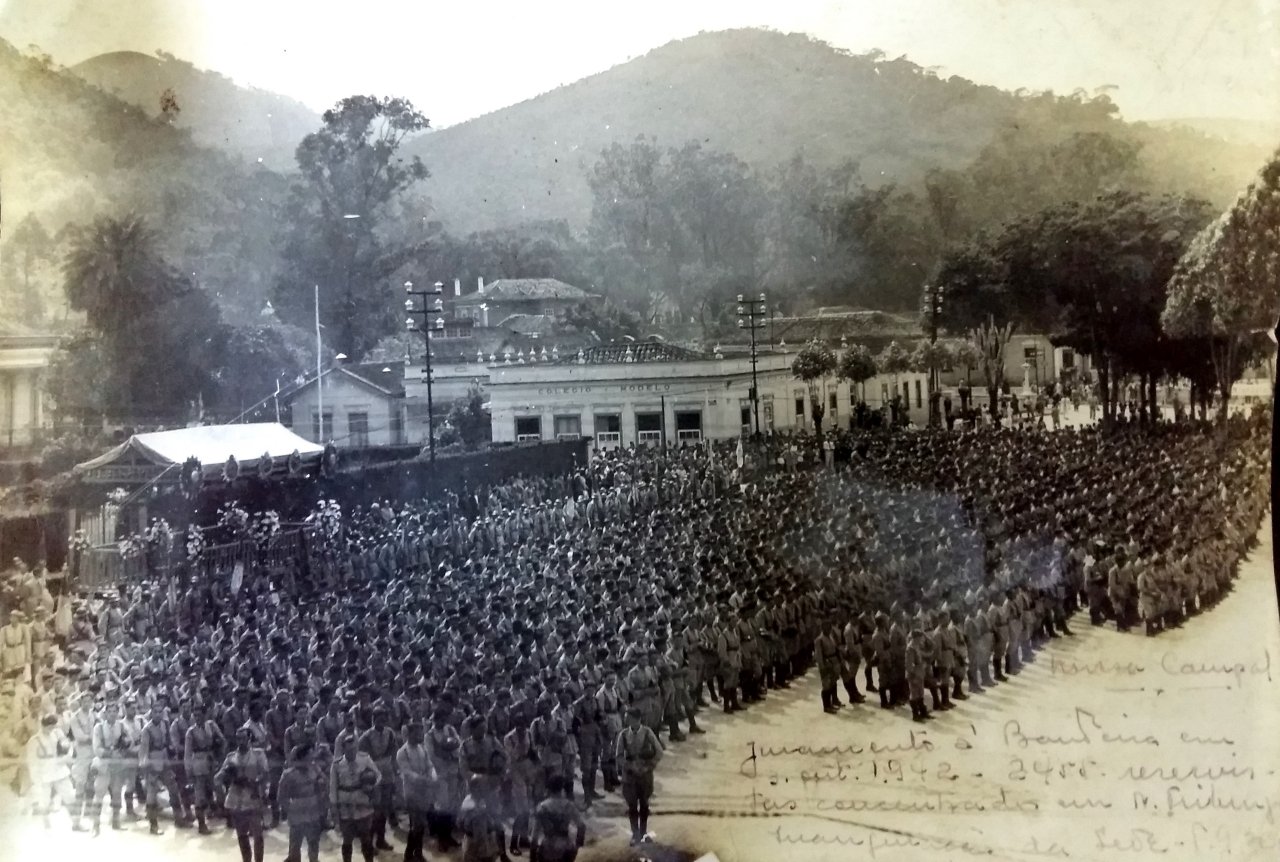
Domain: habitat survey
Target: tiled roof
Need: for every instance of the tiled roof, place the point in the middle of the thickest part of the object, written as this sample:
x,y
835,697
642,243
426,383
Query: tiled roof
x,y
525,324
384,375
526,288
640,351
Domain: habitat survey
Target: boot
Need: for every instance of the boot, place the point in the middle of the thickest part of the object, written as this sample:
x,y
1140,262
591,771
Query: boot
x,y
946,698
884,698
693,726
917,709
155,825
115,819
851,689
957,693
204,826
933,694
827,706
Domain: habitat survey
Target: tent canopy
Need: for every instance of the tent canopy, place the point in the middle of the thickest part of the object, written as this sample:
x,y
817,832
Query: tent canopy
x,y
212,445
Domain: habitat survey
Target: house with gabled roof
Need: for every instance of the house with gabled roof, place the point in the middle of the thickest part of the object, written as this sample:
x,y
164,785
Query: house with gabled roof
x,y
353,405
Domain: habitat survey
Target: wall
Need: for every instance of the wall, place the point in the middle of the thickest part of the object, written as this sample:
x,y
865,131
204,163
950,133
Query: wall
x,y
717,389
343,396
23,359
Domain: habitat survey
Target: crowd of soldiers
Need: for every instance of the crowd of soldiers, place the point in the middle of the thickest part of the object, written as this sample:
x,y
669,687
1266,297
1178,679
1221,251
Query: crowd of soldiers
x,y
477,665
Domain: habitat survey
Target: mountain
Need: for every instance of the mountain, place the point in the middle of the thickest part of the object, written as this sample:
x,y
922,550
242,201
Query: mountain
x,y
249,122
1233,129
763,96
70,152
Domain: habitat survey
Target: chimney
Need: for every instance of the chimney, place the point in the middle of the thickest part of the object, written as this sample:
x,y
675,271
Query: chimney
x,y
457,287
480,287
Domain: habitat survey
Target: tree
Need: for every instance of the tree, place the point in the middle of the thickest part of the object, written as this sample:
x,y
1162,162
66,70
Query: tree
x,y
169,108
989,342
857,366
352,184
1226,288
30,254
468,416
813,365
152,331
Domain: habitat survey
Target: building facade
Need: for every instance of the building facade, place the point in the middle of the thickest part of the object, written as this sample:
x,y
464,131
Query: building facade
x,y
23,360
500,299
653,394
363,405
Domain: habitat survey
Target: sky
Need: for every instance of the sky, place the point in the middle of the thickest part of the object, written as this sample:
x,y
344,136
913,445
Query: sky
x,y
458,60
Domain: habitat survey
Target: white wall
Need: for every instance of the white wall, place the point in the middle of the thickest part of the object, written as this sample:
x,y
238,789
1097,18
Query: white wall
x,y
344,396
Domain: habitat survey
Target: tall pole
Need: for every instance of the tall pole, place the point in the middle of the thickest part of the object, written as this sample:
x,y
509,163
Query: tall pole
x,y
752,317
319,381
933,308
428,326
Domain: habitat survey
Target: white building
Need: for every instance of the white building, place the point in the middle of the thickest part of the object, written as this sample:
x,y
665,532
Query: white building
x,y
23,360
652,393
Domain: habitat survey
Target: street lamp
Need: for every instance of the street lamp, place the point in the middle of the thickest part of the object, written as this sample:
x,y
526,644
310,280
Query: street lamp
x,y
427,327
933,310
751,317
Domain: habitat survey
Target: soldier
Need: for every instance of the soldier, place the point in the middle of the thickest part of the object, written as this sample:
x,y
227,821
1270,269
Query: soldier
x,y
827,648
729,659
851,658
480,821
998,622
522,775
917,666
201,748
115,760
611,703
588,723
413,766
1149,600
49,765
353,779
380,743
1013,625
80,729
558,828
882,660
942,647
638,753
246,775
959,652
303,799
153,752
443,744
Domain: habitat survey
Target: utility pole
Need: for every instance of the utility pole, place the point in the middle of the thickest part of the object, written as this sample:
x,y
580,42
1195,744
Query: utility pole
x,y
428,326
752,317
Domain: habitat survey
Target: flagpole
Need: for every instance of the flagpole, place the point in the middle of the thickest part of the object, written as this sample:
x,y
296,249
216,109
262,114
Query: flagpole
x,y
319,382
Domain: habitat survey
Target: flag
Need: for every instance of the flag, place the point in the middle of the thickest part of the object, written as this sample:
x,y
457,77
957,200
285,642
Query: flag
x,y
237,577
741,456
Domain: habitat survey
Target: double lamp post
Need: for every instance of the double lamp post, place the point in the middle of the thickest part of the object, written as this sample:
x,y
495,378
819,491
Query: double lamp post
x,y
427,327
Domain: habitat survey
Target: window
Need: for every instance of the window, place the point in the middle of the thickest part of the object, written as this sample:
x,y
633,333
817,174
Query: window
x,y
1068,358
744,412
397,427
799,396
568,427
919,398
884,393
688,425
325,434
457,331
649,428
608,428
358,429
528,428
1030,354
832,402
767,410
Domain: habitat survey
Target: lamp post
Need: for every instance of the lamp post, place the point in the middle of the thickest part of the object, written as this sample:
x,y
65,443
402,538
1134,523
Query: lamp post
x,y
428,326
752,317
933,310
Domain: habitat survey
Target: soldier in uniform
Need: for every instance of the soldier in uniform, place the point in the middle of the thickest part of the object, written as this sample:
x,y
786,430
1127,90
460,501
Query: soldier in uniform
x,y
246,776
522,776
942,645
302,795
80,729
413,766
558,828
851,658
998,622
588,721
827,649
380,743
917,666
156,771
353,780
611,703
638,753
729,659
201,748
443,744
959,652
114,763
49,765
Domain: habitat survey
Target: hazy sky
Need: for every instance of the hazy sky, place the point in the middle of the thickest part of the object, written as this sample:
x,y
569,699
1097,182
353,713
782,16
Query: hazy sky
x,y
1167,58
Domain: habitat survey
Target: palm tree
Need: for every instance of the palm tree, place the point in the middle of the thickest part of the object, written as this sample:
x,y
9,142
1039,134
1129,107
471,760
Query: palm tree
x,y
114,274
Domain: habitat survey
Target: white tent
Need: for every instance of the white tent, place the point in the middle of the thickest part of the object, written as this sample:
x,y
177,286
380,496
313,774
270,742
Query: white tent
x,y
211,445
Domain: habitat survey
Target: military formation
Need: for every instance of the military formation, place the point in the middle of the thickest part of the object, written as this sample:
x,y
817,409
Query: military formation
x,y
481,670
